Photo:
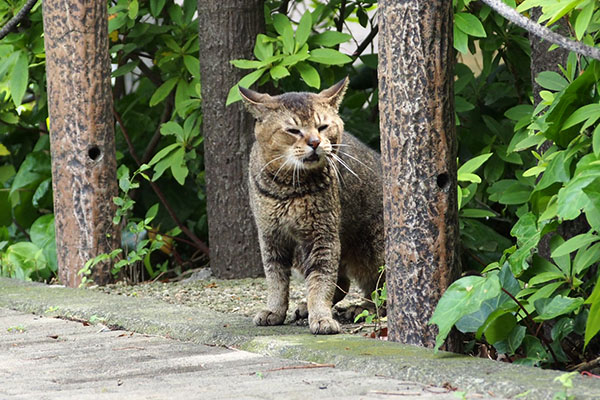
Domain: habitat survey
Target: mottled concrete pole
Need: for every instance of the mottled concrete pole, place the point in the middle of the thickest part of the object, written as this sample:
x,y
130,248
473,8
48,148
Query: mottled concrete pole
x,y
81,134
418,146
228,31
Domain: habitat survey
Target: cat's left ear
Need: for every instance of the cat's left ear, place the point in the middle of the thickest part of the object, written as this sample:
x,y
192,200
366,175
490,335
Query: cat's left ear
x,y
255,102
334,95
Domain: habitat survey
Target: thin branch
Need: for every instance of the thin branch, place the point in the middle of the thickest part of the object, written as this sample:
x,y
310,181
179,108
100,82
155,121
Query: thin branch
x,y
365,43
586,366
14,21
127,138
340,22
283,8
166,115
544,340
155,78
199,244
539,30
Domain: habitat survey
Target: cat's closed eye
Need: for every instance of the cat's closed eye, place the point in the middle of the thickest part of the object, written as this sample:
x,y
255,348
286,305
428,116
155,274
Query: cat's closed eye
x,y
322,128
294,131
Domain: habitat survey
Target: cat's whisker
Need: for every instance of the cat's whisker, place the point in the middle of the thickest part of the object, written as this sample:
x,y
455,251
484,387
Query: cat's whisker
x,y
356,159
336,170
343,164
287,160
272,161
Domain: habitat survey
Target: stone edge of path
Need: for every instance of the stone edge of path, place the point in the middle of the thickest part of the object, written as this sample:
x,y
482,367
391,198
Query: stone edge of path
x,y
405,362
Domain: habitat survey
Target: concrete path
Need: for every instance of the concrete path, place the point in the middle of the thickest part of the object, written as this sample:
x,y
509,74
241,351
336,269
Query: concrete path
x,y
50,358
92,362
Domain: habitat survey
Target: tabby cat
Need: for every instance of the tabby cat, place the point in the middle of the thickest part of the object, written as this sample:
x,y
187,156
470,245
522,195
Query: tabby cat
x,y
316,195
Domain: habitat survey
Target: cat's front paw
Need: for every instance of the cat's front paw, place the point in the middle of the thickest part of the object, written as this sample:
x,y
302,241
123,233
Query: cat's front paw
x,y
324,326
268,317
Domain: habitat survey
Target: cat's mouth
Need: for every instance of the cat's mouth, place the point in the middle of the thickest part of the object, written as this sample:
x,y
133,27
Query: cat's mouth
x,y
314,157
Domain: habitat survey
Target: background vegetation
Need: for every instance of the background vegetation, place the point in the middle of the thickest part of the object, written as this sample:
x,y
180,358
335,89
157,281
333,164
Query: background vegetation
x,y
525,169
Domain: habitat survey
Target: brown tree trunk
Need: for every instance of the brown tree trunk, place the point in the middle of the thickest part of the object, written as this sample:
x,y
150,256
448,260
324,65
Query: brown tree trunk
x,y
81,135
418,143
228,30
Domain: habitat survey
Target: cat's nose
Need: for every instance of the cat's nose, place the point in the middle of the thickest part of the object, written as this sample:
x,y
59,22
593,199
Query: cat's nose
x,y
314,142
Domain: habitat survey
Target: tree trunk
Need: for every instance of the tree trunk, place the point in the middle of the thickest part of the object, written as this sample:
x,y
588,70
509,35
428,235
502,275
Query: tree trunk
x,y
418,143
228,30
541,58
81,135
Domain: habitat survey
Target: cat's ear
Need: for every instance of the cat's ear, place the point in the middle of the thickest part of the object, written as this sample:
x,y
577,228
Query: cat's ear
x,y
334,95
256,103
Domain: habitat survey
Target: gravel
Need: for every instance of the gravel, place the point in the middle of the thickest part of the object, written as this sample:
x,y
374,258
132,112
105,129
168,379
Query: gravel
x,y
240,296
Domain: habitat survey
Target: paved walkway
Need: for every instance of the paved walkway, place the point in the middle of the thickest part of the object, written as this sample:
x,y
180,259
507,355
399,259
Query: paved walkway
x,y
50,358
42,356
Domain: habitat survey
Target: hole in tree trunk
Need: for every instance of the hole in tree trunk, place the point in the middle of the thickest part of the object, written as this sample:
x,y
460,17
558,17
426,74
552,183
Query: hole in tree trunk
x,y
94,153
443,181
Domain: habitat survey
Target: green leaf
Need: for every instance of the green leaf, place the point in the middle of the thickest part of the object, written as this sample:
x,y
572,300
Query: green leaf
x,y
518,112
589,111
28,257
33,170
163,91
474,163
156,7
178,167
472,322
528,236
500,327
163,153
592,326
461,104
585,258
192,65
19,78
283,26
309,74
467,177
330,38
329,57
42,235
133,9
303,30
551,80
463,297
125,69
583,19
247,64
278,72
461,40
469,24
263,48
246,81
476,213
558,170
151,213
596,141
556,306
575,243
171,128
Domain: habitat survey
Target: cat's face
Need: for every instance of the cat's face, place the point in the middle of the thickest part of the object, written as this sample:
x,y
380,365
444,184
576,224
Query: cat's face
x,y
297,131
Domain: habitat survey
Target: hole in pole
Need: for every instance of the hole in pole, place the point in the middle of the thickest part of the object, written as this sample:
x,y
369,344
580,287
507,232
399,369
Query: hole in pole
x,y
443,180
94,153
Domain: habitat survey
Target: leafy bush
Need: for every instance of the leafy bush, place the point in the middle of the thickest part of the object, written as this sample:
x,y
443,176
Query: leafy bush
x,y
156,91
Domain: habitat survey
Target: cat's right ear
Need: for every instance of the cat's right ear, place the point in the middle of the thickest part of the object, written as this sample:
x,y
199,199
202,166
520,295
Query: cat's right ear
x,y
256,103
